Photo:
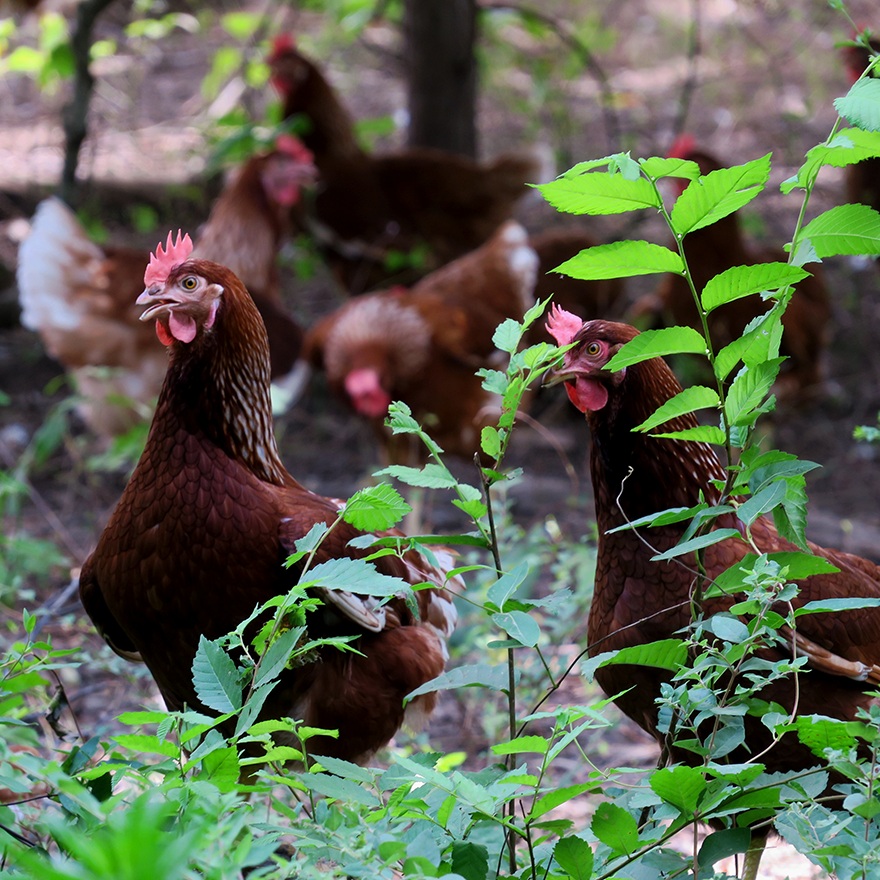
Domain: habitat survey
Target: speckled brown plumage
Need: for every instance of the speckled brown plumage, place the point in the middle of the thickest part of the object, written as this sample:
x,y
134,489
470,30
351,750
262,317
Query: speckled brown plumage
x,y
210,514
638,601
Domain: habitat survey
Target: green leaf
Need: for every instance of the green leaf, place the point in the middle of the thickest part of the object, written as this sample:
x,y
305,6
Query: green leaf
x,y
658,343
615,828
718,194
722,844
490,441
240,26
716,536
668,654
221,768
522,744
470,860
344,790
656,167
621,259
680,786
818,733
740,281
599,192
355,576
687,401
557,796
146,744
845,229
575,857
375,508
762,501
748,391
475,675
821,606
847,147
507,585
861,104
278,655
215,678
507,336
431,476
700,434
520,626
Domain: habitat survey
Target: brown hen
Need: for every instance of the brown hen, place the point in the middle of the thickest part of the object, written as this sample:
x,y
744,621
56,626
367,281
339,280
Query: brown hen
x,y
372,212
637,600
713,249
200,534
79,296
424,345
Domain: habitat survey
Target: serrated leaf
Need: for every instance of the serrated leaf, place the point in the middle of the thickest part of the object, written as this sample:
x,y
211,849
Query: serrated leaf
x,y
520,626
718,194
668,654
740,281
278,655
698,543
507,585
221,768
375,508
507,336
522,745
850,230
759,342
621,259
476,675
656,167
615,828
215,678
691,399
355,576
558,796
847,147
680,786
748,391
470,860
700,434
575,857
599,192
344,790
146,744
431,476
761,502
658,343
722,844
860,106
822,606
818,733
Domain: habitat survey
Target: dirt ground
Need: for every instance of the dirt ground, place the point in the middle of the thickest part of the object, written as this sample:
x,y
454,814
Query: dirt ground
x,y
764,80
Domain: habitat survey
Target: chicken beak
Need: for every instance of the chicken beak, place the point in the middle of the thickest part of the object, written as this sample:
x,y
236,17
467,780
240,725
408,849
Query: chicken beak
x,y
155,298
557,377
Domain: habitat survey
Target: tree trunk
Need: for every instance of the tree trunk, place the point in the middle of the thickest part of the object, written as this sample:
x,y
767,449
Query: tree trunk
x,y
442,74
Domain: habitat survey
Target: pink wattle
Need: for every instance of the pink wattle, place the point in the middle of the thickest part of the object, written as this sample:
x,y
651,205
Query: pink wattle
x,y
588,395
182,327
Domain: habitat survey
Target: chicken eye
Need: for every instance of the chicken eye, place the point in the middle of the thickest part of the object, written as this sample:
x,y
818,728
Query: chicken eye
x,y
189,283
593,349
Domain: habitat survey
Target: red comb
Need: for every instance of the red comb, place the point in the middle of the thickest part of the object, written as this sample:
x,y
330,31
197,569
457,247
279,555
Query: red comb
x,y
563,325
281,44
684,145
163,261
295,148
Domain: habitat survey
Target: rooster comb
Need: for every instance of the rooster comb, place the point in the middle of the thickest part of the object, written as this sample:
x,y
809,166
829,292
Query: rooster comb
x,y
163,261
684,145
281,44
562,325
295,148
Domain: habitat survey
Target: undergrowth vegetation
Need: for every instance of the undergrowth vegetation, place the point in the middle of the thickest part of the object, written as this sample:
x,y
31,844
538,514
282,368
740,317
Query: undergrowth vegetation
x,y
176,796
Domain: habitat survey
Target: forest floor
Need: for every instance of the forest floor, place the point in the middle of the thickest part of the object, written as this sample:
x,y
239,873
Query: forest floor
x,y
765,80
